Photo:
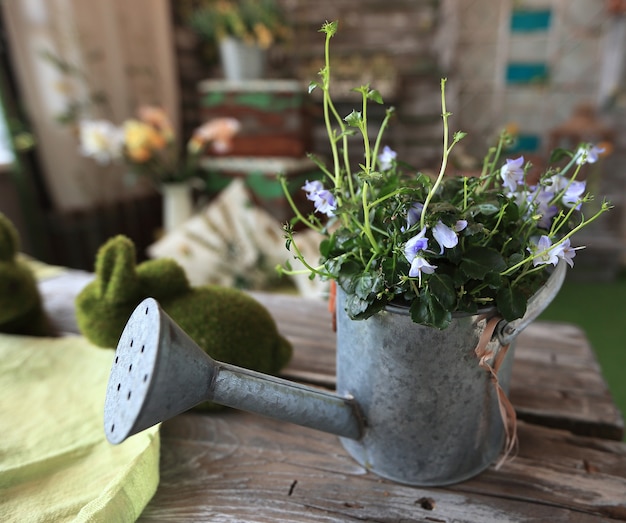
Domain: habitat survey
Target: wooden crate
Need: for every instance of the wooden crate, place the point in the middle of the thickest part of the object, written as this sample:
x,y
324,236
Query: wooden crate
x,y
273,115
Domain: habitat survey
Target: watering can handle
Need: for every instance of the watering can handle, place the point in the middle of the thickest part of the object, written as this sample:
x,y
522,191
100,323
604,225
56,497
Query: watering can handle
x,y
507,331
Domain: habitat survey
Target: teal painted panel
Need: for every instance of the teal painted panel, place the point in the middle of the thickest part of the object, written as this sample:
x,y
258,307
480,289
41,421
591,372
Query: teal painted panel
x,y
527,73
526,20
529,143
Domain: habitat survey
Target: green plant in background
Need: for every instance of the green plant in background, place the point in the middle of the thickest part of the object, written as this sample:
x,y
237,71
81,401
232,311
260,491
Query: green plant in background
x,y
438,244
21,308
254,22
598,308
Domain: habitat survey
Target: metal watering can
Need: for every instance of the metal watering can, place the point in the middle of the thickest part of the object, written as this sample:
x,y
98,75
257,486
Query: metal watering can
x,y
412,403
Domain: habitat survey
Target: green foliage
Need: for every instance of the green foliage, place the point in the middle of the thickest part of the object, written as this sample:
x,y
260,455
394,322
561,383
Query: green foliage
x,y
260,22
21,310
439,244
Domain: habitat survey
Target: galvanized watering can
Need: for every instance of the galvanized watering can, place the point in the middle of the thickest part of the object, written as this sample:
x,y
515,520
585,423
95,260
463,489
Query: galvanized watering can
x,y
413,404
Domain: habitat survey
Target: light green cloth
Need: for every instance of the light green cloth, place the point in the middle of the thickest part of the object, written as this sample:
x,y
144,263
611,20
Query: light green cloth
x,y
55,462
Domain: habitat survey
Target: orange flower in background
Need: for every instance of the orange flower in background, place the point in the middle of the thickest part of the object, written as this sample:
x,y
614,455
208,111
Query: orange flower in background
x,y
157,118
148,144
219,131
142,140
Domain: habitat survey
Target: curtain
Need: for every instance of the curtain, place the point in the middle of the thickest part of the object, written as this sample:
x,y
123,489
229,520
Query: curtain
x,y
93,59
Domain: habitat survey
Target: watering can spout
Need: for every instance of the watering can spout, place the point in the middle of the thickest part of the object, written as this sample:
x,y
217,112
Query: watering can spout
x,y
159,372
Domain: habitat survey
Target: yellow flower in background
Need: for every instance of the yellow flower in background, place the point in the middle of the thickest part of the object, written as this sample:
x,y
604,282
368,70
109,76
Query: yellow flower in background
x,y
142,140
148,144
263,35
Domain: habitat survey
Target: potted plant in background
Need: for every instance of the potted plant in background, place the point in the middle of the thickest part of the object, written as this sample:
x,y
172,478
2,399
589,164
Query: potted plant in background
x,y
243,30
435,276
148,145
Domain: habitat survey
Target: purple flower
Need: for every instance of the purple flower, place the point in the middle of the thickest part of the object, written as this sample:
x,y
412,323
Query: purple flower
x,y
460,225
544,252
322,199
573,190
512,173
567,252
419,265
413,215
541,201
574,193
416,244
588,154
445,236
386,158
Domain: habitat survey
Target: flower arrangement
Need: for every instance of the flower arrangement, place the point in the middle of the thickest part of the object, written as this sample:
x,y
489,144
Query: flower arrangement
x,y
254,22
148,144
437,244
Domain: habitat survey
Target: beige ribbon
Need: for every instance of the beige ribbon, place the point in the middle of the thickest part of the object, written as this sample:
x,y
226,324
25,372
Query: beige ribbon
x,y
507,412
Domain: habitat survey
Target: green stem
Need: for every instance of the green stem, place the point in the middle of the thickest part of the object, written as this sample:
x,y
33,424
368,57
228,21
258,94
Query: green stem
x,y
366,220
444,160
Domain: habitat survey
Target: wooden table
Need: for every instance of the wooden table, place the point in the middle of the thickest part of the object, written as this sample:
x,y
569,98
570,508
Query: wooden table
x,y
236,466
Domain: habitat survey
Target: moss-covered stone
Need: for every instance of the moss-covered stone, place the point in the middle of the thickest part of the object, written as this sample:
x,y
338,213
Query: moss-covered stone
x,y
21,309
227,323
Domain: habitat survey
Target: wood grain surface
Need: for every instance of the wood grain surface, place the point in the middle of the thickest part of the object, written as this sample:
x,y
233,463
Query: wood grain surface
x,y
240,467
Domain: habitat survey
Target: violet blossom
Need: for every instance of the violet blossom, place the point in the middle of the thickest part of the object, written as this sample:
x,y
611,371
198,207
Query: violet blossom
x,y
413,215
588,154
386,158
512,173
323,199
412,250
446,236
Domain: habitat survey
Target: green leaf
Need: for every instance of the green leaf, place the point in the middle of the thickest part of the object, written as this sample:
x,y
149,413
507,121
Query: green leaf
x,y
511,303
441,287
427,311
559,154
354,119
485,208
478,261
375,96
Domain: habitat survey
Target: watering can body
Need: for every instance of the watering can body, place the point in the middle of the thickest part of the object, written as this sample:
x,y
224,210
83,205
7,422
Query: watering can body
x,y
432,412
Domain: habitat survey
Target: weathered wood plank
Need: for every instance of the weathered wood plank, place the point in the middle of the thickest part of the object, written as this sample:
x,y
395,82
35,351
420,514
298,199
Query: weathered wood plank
x,y
237,466
556,378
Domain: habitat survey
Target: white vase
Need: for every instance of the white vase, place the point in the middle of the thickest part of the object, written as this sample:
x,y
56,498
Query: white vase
x,y
241,61
177,204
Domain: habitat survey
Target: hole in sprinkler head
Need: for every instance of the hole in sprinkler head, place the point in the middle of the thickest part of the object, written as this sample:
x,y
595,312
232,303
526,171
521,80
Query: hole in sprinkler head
x,y
145,377
131,342
128,396
119,385
130,367
143,347
146,310
113,427
116,359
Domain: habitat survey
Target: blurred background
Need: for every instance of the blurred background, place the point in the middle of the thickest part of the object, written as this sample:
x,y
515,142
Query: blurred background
x,y
553,72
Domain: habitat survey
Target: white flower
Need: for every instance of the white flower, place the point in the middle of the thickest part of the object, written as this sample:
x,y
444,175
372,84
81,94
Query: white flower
x,y
544,252
419,265
588,154
386,158
512,173
445,236
101,140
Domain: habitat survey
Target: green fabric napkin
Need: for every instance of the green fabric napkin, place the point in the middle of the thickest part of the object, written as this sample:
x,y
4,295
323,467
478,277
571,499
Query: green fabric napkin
x,y
55,462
